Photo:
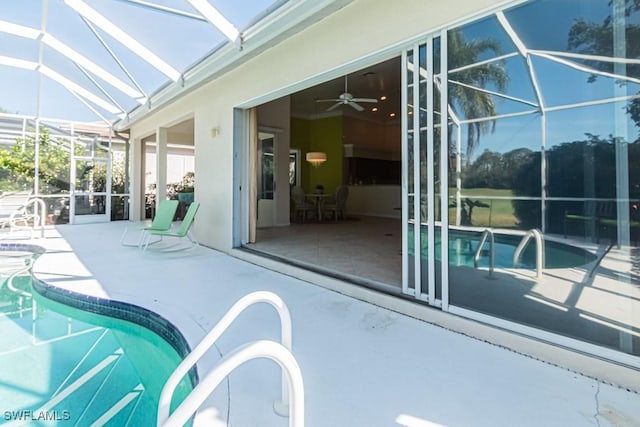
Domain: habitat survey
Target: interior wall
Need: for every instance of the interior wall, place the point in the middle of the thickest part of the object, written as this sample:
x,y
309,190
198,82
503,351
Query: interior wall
x,y
364,132
302,57
325,135
319,135
382,136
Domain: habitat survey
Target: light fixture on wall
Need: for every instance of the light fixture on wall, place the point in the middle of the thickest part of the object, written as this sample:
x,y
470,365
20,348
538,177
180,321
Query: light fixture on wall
x,y
316,158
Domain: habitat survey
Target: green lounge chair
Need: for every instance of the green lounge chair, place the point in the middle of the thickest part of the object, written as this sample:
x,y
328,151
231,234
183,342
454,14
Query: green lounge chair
x,y
183,231
162,221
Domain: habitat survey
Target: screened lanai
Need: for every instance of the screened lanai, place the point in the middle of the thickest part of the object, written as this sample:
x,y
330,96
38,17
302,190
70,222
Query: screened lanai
x,y
539,153
70,69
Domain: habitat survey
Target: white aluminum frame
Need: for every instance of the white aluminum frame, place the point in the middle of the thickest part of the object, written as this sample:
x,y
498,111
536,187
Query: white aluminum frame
x,y
123,37
216,19
444,173
404,175
431,240
88,219
417,191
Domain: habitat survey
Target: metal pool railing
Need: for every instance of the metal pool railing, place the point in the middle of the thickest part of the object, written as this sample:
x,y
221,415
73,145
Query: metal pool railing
x,y
487,233
537,235
292,402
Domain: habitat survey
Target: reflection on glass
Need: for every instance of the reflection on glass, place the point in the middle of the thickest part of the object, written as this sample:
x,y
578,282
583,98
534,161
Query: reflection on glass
x,y
409,178
91,176
119,174
582,161
57,209
470,88
266,174
90,205
563,162
293,165
119,208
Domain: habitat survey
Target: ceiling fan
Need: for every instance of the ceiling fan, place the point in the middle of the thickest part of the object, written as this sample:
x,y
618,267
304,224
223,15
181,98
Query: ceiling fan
x,y
346,98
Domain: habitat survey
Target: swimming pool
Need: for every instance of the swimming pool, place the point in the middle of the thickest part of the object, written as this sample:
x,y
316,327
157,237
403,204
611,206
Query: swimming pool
x,y
60,364
463,245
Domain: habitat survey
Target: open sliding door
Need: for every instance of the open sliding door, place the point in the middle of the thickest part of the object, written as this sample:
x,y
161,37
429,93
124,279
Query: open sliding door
x,y
422,180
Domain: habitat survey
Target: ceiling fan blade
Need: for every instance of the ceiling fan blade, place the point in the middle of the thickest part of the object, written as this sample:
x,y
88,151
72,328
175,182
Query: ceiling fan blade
x,y
356,106
365,100
327,100
334,106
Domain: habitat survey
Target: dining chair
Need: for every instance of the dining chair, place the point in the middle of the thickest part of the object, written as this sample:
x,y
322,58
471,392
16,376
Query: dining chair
x,y
337,206
300,203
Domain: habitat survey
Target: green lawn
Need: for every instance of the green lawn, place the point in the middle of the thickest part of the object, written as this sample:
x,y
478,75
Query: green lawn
x,y
498,214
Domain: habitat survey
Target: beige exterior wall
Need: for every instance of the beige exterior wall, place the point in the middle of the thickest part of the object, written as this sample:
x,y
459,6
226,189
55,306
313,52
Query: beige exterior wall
x,y
339,43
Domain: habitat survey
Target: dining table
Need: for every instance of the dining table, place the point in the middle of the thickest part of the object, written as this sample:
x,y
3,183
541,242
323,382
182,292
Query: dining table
x,y
319,200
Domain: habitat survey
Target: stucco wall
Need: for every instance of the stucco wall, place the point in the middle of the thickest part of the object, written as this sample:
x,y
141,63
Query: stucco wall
x,y
351,34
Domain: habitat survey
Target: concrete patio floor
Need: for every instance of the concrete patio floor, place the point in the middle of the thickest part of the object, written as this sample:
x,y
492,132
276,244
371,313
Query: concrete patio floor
x,y
363,365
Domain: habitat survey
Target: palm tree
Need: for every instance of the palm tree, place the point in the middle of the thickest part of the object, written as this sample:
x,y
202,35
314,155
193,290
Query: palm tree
x,y
474,103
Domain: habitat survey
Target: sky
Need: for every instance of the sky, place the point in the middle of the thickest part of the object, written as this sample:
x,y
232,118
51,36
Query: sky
x,y
560,85
182,41
177,40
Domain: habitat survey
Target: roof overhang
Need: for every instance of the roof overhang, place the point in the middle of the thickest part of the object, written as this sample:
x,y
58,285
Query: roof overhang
x,y
291,17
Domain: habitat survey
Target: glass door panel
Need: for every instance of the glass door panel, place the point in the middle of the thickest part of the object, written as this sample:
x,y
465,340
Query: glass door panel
x,y
266,180
266,177
408,172
418,201
424,121
425,152
91,177
435,158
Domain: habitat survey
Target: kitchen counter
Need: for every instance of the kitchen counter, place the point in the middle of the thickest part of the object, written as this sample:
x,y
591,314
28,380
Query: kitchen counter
x,y
375,200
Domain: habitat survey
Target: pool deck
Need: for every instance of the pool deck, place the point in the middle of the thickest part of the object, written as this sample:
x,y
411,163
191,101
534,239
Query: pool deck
x,y
363,365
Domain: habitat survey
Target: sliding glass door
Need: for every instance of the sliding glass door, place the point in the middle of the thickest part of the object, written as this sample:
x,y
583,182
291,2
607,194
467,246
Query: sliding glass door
x,y
521,191
421,180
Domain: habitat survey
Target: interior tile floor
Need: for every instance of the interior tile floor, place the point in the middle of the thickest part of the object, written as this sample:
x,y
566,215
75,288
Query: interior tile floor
x,y
363,247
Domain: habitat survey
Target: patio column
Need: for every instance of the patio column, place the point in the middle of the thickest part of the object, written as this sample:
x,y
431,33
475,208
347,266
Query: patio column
x,y
161,164
137,174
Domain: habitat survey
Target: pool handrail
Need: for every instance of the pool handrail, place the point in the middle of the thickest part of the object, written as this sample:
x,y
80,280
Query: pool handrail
x,y
537,235
258,349
492,253
210,339
39,214
22,215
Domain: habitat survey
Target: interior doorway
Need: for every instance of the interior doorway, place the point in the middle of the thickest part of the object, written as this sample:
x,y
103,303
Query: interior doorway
x,y
337,145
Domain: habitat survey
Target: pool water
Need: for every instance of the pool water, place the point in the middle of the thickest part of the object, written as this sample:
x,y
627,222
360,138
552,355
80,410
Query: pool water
x,y
463,246
67,366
